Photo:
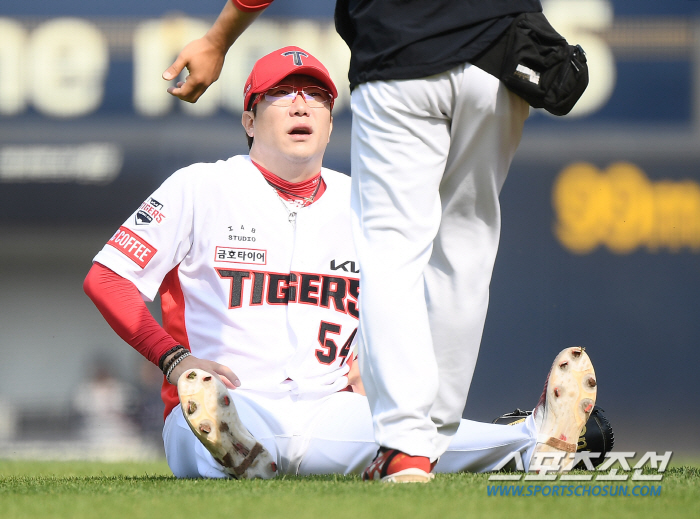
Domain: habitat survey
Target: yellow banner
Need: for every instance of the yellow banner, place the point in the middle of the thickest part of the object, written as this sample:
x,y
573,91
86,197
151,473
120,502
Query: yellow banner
x,y
620,208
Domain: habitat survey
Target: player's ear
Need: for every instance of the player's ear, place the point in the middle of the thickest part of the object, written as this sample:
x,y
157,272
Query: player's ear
x,y
330,130
248,122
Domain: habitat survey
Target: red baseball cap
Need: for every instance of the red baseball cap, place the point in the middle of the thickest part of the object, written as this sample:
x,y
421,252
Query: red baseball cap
x,y
271,69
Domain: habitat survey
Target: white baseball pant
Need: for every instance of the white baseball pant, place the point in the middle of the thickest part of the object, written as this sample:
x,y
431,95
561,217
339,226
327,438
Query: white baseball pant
x,y
333,435
429,158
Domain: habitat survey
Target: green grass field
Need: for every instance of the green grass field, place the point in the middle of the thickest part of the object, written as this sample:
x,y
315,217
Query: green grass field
x,y
136,490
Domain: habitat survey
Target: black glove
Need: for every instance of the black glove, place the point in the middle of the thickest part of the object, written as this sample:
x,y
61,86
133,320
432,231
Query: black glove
x,y
597,434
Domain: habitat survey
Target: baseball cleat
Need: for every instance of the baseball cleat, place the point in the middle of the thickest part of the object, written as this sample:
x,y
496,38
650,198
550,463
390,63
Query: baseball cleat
x,y
211,415
566,403
392,466
597,435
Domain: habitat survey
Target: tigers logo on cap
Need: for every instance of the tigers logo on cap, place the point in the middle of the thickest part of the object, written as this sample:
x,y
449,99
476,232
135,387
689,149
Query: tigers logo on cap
x,y
297,56
274,67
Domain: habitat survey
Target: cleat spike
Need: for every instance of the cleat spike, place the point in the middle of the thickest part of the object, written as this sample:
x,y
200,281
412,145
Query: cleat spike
x,y
211,414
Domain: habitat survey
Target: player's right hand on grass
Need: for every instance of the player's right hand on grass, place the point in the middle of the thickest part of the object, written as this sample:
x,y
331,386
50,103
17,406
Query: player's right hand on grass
x,y
204,61
223,373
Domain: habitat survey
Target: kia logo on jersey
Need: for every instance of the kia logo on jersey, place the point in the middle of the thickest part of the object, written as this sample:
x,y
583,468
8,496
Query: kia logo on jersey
x,y
149,210
344,266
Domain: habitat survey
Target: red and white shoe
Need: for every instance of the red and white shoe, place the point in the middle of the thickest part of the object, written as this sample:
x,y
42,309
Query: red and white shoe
x,y
392,466
213,419
566,403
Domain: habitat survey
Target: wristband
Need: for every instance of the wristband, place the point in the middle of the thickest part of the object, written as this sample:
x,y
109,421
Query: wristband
x,y
165,355
175,363
175,356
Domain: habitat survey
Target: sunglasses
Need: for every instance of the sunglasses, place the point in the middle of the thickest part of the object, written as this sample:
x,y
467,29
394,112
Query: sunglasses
x,y
285,95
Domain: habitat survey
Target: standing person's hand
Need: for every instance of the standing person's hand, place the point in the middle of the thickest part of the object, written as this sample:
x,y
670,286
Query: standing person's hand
x,y
204,57
204,61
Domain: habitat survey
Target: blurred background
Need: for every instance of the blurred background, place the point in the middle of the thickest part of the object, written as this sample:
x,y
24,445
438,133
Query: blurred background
x,y
601,212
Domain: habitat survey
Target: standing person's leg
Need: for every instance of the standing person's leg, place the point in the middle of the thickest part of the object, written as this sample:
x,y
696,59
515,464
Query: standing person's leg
x,y
487,123
400,144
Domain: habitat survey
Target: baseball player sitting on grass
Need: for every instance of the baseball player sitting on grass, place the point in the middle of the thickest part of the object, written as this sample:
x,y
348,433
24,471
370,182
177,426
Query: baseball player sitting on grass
x,y
254,262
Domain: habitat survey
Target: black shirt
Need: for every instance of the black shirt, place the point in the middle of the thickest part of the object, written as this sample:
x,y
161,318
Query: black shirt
x,y
409,39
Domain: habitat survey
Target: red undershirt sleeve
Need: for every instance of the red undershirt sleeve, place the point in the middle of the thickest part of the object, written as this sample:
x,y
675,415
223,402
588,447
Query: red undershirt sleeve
x,y
120,303
250,6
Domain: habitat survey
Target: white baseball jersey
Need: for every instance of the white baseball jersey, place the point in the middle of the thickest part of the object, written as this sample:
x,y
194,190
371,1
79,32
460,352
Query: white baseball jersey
x,y
240,283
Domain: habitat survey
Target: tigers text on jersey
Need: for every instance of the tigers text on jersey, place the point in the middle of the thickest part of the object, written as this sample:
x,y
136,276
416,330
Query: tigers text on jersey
x,y
241,283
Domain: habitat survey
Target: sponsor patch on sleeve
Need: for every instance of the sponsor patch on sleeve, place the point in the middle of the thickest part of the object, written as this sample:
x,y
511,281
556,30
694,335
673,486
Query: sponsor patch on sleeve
x,y
149,211
132,246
